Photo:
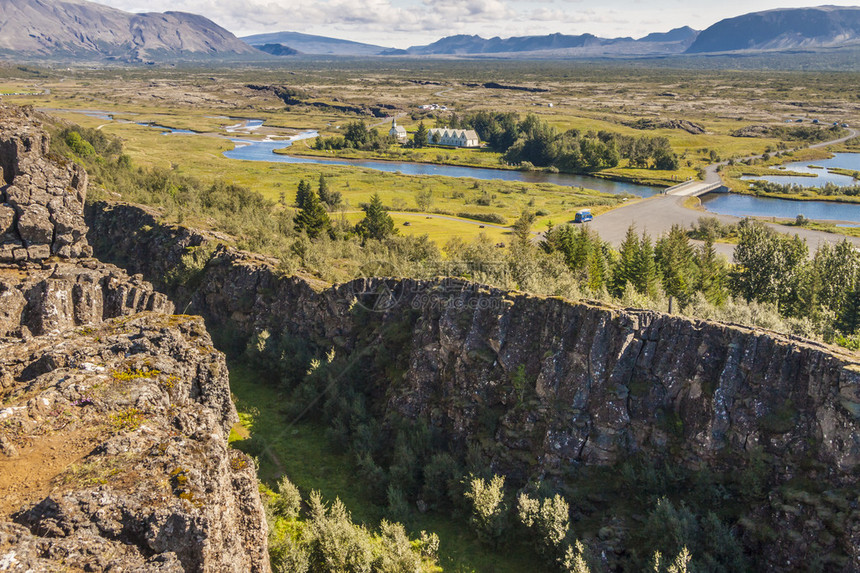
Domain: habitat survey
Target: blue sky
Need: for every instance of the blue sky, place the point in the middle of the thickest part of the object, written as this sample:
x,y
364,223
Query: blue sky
x,y
403,23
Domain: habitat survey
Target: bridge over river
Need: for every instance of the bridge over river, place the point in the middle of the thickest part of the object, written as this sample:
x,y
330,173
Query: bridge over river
x,y
694,188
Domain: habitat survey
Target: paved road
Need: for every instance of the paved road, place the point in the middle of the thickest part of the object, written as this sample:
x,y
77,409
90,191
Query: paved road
x,y
657,214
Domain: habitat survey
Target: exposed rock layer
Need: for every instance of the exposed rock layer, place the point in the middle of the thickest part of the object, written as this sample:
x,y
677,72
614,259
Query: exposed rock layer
x,y
113,435
540,385
602,382
156,488
37,300
41,200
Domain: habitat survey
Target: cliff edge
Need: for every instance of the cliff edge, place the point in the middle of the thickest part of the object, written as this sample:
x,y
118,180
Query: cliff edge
x,y
114,413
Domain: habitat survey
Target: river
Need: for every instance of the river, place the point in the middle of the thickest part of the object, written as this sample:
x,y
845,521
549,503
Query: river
x,y
722,203
249,150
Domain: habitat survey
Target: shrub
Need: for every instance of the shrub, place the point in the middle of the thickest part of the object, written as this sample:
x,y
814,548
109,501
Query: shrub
x,y
547,522
288,502
489,513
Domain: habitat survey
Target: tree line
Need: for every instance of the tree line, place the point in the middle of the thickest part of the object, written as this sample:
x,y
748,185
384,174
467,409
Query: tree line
x,y
821,291
356,135
532,140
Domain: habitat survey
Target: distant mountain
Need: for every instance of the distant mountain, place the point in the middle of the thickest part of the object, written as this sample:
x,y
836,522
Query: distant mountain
x,y
80,29
278,50
684,34
320,45
782,29
589,45
463,44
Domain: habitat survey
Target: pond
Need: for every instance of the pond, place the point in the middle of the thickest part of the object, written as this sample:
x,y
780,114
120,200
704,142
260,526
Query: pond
x,y
849,161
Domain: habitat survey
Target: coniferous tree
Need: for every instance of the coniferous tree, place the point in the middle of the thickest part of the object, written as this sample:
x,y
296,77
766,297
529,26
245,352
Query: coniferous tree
x,y
420,137
645,276
303,193
711,276
327,195
312,217
523,226
597,268
625,270
849,318
377,223
675,261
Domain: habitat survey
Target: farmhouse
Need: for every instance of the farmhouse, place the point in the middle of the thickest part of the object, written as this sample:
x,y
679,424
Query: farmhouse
x,y
398,132
453,137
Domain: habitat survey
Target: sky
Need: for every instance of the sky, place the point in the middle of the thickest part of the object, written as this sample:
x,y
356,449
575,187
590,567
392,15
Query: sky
x,y
404,23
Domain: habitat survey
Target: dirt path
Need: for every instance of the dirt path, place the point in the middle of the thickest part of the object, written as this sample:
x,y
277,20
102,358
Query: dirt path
x,y
31,475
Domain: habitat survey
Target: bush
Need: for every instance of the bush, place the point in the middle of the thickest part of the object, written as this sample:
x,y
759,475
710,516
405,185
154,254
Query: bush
x,y
546,521
288,502
489,513
485,217
79,145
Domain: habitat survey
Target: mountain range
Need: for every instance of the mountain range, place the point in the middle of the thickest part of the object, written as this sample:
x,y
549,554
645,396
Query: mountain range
x,y
83,30
783,29
319,45
673,42
66,29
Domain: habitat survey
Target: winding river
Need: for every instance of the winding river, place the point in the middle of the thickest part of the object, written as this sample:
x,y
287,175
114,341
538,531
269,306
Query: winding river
x,y
721,203
249,150
819,171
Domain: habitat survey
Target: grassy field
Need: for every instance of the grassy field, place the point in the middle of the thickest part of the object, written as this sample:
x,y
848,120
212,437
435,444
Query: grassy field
x,y
201,157
584,96
440,228
301,451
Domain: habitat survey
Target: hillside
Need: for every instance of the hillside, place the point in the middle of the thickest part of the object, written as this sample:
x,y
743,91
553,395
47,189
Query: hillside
x,y
782,29
673,42
318,45
62,29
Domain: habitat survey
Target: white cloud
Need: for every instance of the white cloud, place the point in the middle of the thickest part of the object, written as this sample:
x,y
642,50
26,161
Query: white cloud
x,y
402,23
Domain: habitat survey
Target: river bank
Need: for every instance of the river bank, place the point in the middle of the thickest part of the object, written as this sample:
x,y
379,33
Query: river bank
x,y
482,158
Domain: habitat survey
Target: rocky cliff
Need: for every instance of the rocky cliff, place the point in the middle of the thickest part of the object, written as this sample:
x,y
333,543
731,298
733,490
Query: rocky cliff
x,y
601,382
542,387
114,413
41,200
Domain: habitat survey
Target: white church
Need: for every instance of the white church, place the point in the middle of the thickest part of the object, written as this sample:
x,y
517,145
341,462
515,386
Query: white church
x,y
398,132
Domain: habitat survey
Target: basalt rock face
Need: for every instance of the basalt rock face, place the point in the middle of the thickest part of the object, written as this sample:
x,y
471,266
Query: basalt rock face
x,y
541,386
114,413
568,382
41,199
115,456
47,280
40,299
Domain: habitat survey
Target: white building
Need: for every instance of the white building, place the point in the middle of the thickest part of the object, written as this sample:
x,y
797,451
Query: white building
x,y
398,132
453,137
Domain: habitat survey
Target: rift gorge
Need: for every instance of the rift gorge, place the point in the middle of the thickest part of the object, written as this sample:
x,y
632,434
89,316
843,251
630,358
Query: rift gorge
x,y
552,303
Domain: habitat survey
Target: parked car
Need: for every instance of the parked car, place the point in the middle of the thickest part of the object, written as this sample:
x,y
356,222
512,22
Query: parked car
x,y
583,216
